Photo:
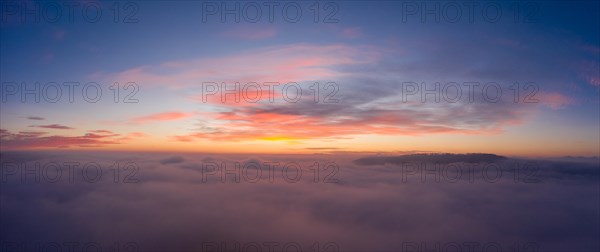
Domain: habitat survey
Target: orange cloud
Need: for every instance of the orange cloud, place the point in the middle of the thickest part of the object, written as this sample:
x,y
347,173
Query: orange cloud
x,y
255,124
132,135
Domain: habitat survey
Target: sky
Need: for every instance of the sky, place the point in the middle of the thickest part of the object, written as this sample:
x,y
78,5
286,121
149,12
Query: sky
x,y
518,79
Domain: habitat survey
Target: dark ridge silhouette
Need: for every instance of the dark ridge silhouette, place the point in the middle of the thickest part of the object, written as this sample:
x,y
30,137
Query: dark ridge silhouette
x,y
443,158
578,159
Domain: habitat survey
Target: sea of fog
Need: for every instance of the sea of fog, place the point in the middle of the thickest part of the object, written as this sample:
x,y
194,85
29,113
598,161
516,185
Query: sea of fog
x,y
116,201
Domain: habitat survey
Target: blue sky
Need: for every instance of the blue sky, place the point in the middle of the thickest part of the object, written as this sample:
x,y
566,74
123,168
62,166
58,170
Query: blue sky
x,y
367,49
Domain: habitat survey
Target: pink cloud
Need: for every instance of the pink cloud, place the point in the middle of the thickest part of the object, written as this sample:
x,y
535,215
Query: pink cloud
x,y
590,72
554,100
294,63
302,62
132,135
102,131
136,134
165,116
101,134
352,32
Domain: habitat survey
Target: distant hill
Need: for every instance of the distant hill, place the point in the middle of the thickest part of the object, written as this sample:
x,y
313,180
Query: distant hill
x,y
444,158
577,159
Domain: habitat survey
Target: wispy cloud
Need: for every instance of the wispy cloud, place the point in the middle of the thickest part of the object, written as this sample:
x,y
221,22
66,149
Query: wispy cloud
x,y
283,64
33,140
37,118
51,126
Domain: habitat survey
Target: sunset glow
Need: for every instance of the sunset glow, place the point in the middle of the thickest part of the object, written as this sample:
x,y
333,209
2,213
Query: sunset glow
x,y
324,126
